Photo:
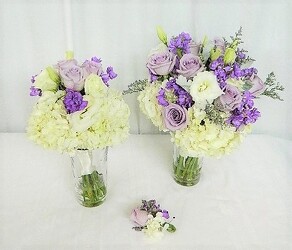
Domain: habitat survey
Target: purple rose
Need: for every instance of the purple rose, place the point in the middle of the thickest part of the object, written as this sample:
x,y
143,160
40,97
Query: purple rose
x,y
231,98
161,63
258,86
195,48
139,216
92,67
72,75
175,117
190,65
219,43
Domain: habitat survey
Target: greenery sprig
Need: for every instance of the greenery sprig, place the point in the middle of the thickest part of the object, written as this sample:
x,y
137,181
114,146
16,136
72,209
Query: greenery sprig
x,y
272,86
136,86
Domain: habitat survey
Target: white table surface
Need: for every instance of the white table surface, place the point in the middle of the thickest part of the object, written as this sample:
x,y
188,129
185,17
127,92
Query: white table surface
x,y
243,201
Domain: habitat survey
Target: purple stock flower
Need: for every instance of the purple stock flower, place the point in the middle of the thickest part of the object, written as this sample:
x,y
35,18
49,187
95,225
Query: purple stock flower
x,y
35,91
173,93
105,78
73,101
180,44
95,59
224,72
111,73
245,114
33,78
165,214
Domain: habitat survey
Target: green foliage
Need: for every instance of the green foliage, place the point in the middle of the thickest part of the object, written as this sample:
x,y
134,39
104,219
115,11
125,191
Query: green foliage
x,y
136,86
272,87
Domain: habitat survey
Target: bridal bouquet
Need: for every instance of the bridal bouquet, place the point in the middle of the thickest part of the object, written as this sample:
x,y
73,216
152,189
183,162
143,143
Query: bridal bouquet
x,y
77,111
203,93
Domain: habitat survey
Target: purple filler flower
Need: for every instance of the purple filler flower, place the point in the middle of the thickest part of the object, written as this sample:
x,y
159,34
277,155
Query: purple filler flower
x,y
165,214
173,93
175,117
35,91
111,73
245,114
73,101
180,44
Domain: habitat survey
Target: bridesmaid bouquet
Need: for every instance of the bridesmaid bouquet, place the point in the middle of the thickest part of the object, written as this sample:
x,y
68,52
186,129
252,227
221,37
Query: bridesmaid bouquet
x,y
77,112
76,108
204,94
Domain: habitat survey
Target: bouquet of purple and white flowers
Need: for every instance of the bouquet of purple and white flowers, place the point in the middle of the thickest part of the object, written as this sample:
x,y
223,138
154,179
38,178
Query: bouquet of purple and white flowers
x,y
76,109
202,92
152,219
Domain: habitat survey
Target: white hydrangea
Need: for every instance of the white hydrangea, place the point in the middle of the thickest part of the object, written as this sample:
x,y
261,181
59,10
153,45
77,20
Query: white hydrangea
x,y
104,122
208,139
149,105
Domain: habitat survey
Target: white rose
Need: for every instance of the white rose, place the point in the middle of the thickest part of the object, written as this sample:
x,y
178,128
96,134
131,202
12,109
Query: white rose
x,y
205,89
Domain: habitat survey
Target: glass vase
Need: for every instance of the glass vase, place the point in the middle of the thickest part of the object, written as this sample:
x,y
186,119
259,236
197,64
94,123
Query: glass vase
x,y
186,169
90,174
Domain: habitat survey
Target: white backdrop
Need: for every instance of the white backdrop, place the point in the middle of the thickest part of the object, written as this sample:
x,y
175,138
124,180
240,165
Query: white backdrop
x,y
32,36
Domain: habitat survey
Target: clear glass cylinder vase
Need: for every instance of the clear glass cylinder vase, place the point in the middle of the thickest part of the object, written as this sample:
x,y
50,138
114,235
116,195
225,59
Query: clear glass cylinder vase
x,y
90,174
186,169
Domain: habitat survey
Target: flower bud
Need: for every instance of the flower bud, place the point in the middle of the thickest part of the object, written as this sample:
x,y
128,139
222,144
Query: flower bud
x,y
161,34
53,74
215,53
229,56
69,54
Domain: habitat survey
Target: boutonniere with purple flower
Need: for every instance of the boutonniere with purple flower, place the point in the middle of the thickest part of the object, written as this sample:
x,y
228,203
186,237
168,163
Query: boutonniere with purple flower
x,y
151,219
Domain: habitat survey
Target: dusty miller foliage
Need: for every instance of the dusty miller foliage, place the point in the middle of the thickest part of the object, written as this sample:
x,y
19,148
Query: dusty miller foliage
x,y
272,86
136,86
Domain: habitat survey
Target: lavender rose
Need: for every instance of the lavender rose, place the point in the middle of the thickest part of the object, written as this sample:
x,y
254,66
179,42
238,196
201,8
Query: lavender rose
x,y
194,48
190,65
66,64
161,63
93,67
231,98
258,86
175,117
219,43
72,75
139,216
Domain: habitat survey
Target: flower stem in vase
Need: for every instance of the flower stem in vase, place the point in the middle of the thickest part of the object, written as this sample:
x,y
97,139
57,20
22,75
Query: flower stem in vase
x,y
93,189
187,170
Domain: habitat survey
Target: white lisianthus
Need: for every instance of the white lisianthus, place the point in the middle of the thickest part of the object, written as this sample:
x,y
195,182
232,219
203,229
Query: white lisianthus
x,y
205,89
94,86
44,82
183,82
